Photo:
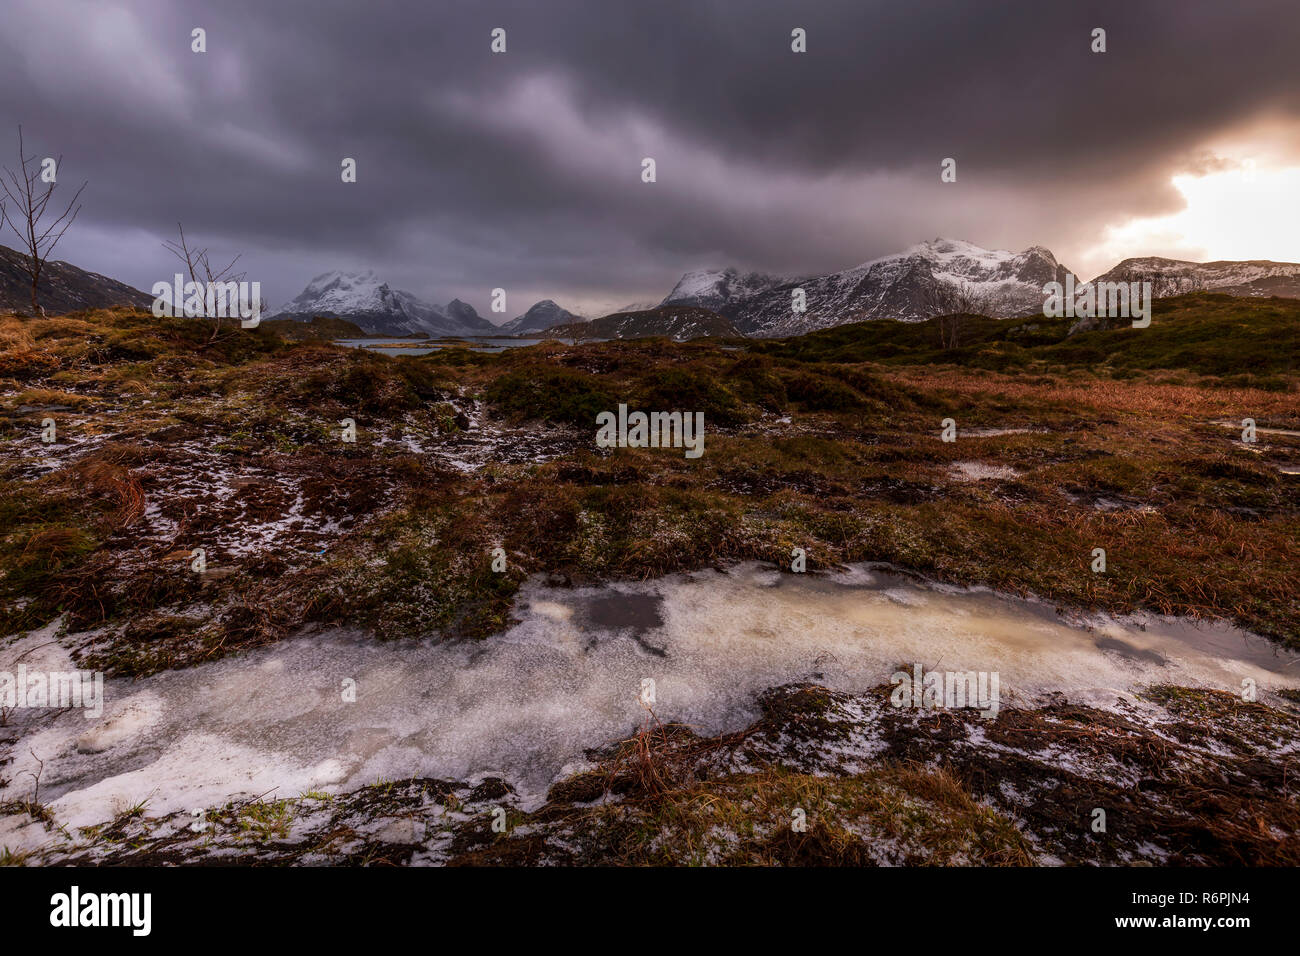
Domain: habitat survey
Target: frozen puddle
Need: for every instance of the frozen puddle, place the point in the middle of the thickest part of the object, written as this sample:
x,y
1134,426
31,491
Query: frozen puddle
x,y
979,471
998,432
526,703
1284,432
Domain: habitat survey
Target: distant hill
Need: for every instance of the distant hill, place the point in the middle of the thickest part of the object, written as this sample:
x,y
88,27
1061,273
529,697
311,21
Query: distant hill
x,y
543,315
319,329
63,287
1208,333
672,321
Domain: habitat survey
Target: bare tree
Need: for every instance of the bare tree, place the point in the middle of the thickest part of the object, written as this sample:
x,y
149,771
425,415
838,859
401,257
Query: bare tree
x,y
950,306
198,264
581,331
31,203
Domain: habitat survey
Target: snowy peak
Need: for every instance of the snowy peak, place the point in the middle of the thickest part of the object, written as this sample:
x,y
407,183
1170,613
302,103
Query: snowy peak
x,y
365,299
343,292
349,293
712,288
941,276
956,260
1254,277
929,278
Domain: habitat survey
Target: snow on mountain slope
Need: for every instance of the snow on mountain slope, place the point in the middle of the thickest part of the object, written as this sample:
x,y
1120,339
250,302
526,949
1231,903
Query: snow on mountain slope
x,y
344,292
950,275
927,279
712,288
1255,277
363,298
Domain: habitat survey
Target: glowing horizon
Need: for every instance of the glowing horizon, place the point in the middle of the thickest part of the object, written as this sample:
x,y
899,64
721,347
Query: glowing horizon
x,y
1247,212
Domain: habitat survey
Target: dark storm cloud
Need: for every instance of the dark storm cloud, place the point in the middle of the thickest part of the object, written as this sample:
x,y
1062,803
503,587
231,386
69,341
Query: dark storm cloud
x,y
522,170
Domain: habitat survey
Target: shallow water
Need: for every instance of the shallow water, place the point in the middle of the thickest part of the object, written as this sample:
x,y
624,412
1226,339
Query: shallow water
x,y
525,703
475,343
1236,426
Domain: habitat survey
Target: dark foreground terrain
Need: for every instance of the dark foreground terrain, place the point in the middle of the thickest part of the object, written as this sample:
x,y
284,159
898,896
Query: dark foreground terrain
x,y
171,438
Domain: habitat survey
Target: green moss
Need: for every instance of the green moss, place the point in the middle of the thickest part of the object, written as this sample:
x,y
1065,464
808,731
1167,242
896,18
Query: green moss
x,y
690,389
550,393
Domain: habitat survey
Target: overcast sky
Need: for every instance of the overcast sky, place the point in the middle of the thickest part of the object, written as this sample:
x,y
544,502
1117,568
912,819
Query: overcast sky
x,y
523,170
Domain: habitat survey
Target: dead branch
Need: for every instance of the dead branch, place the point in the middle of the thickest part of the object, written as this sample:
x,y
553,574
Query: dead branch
x,y
28,220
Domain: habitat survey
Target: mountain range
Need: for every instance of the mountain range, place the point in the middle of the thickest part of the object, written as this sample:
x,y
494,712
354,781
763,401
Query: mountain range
x,y
935,277
378,309
1254,277
949,275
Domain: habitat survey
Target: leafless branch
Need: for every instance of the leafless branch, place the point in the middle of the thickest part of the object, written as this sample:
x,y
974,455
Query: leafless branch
x,y
950,305
198,264
28,221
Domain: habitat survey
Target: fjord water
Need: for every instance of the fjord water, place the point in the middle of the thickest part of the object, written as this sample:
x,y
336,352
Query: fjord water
x,y
526,703
413,347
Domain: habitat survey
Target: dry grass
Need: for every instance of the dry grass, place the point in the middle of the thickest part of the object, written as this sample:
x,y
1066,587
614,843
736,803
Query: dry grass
x,y
116,482
15,334
1202,526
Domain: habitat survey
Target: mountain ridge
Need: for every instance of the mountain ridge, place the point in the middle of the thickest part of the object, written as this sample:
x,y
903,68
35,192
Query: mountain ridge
x,y
540,317
63,287
923,280
951,275
364,299
672,321
926,279
1239,277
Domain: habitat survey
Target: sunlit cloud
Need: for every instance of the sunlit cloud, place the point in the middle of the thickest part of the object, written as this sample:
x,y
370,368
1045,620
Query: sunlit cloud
x,y
1246,212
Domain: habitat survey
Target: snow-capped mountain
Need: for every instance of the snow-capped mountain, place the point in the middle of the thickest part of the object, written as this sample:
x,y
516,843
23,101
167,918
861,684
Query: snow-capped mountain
x,y
1256,277
950,275
364,299
943,275
713,289
541,316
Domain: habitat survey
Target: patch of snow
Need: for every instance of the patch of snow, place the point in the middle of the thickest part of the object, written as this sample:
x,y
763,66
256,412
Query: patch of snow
x,y
527,703
979,471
